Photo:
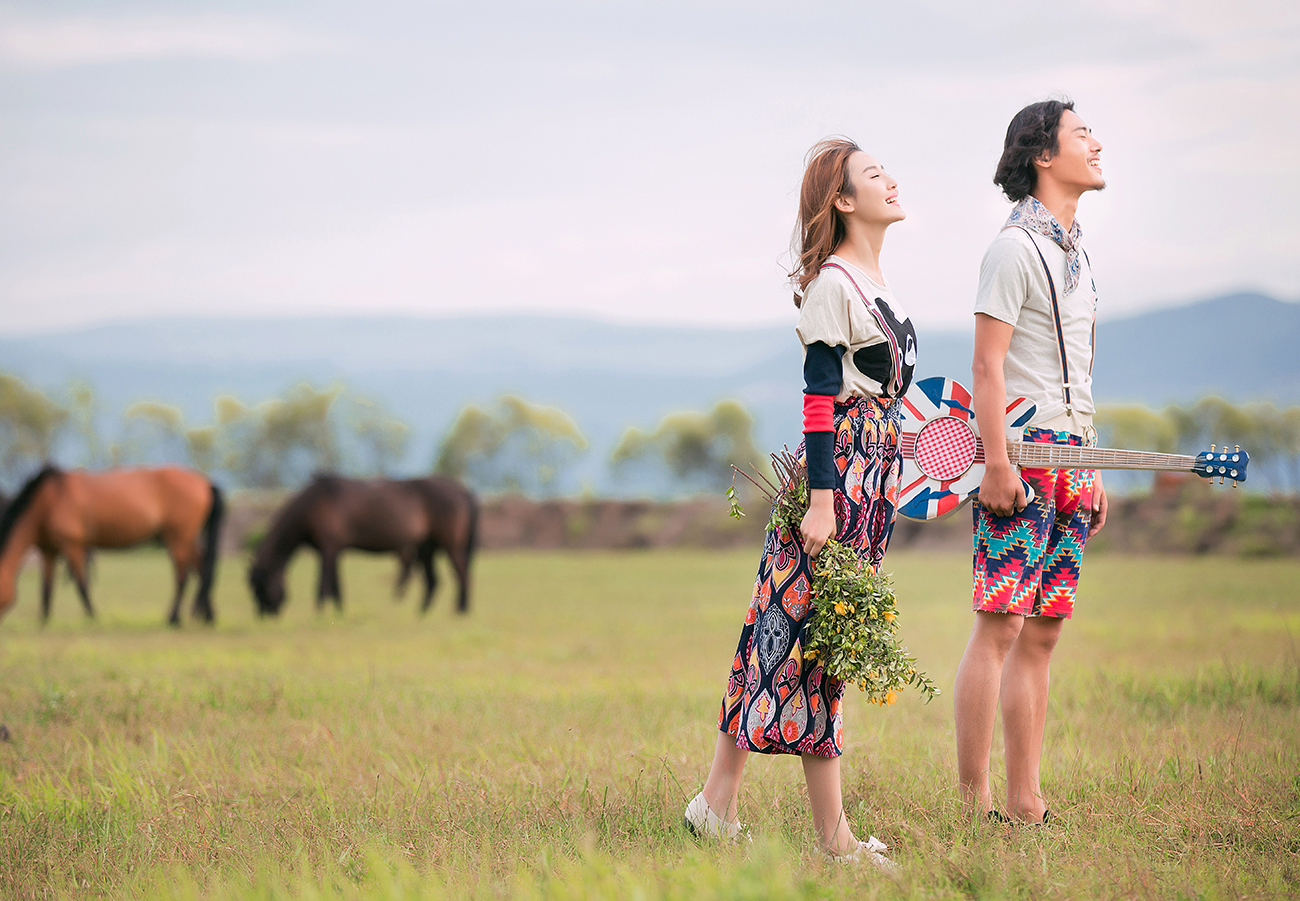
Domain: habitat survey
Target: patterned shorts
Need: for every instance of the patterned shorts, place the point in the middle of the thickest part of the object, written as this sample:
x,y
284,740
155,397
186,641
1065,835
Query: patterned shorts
x,y
1028,563
776,702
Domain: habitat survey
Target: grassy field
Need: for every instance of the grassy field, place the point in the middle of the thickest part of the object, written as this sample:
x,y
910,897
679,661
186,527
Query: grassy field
x,y
543,747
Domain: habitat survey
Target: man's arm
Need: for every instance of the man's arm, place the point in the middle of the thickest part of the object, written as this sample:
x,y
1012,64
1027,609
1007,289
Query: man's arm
x,y
1000,491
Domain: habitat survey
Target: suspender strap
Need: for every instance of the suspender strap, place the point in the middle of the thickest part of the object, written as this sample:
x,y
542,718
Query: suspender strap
x,y
1056,318
894,350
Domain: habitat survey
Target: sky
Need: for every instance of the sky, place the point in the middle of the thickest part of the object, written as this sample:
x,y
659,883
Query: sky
x,y
633,161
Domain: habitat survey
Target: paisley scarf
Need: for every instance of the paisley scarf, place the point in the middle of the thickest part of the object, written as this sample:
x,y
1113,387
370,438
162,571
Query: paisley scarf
x,y
1031,214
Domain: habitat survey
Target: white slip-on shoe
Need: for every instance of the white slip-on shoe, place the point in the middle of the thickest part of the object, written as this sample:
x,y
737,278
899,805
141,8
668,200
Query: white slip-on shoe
x,y
871,852
702,822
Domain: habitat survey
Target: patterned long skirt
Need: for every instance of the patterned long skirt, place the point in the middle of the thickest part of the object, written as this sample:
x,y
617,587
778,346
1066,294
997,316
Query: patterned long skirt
x,y
775,702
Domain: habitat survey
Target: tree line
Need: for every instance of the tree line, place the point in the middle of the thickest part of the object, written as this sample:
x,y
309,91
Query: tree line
x,y
1271,434
513,445
510,446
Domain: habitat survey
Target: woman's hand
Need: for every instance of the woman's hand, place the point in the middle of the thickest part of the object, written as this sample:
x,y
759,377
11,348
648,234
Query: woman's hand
x,y
1001,492
818,525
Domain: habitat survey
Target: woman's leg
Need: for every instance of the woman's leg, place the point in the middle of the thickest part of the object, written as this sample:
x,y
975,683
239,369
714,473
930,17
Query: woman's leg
x,y
1024,714
975,701
722,788
827,800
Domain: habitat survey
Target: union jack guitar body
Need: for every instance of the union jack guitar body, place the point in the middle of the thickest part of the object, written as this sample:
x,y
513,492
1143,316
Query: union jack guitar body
x,y
943,455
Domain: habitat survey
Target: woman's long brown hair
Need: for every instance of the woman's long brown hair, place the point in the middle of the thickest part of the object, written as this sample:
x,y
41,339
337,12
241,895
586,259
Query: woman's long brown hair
x,y
820,227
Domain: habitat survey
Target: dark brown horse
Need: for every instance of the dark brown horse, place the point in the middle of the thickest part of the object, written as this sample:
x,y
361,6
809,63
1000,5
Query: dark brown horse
x,y
66,513
411,518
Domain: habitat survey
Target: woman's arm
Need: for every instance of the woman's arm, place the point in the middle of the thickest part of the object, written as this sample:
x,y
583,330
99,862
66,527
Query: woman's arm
x,y
823,373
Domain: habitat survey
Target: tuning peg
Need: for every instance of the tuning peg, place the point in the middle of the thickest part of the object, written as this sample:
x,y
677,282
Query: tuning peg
x,y
1220,480
1237,449
1234,483
1211,448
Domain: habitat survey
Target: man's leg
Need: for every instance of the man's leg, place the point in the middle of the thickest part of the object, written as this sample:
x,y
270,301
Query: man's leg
x,y
722,788
975,699
1024,714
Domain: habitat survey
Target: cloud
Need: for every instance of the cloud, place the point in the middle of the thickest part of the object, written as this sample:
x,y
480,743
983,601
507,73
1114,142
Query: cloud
x,y
66,42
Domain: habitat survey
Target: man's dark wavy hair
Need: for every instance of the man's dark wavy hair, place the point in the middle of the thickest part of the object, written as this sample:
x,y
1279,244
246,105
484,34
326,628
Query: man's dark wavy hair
x,y
1030,136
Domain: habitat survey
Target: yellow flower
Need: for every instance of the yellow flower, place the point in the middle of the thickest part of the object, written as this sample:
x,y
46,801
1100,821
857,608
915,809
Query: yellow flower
x,y
890,616
840,608
889,698
810,655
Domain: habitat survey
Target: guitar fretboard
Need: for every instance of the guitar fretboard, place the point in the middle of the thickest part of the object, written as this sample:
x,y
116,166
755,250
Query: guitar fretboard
x,y
1065,456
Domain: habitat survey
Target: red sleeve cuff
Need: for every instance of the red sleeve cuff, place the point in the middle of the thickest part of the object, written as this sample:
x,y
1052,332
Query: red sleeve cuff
x,y
818,413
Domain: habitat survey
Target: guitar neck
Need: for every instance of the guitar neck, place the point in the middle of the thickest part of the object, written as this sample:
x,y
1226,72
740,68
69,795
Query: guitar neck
x,y
1065,456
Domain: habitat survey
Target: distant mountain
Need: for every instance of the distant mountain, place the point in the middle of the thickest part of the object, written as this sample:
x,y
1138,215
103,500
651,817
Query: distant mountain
x,y
1242,347
609,376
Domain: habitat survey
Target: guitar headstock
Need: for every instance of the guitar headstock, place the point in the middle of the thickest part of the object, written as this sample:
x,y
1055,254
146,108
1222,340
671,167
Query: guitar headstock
x,y
1223,464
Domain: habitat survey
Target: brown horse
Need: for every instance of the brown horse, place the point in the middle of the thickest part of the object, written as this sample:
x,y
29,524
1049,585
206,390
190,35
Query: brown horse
x,y
412,518
65,513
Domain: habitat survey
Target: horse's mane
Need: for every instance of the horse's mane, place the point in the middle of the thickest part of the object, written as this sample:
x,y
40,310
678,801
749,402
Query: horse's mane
x,y
292,512
19,505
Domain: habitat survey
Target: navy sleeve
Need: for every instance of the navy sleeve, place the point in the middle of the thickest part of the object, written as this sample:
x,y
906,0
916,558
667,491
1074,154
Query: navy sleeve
x,y
823,369
823,375
819,448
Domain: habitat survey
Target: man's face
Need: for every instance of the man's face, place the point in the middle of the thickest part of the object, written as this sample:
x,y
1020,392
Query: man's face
x,y
1077,162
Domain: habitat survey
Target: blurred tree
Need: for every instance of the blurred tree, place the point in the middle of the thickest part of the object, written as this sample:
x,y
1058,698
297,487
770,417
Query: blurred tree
x,y
202,445
517,446
1290,444
278,442
1134,427
152,433
1271,435
84,416
698,448
381,438
29,425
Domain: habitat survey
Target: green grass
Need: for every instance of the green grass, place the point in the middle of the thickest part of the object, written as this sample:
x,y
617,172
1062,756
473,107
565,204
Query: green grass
x,y
544,746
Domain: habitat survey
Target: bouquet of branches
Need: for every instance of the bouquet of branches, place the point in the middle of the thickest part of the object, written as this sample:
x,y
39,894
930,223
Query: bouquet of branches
x,y
853,626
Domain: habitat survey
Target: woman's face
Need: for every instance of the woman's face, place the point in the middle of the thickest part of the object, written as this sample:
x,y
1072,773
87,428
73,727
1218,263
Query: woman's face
x,y
875,192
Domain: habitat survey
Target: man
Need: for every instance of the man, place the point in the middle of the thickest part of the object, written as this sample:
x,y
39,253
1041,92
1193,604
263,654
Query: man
x,y
1034,314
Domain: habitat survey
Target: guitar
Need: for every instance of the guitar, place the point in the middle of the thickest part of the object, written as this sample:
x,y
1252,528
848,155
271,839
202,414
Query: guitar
x,y
943,455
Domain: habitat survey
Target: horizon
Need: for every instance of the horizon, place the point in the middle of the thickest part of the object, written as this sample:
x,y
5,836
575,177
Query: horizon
x,y
546,315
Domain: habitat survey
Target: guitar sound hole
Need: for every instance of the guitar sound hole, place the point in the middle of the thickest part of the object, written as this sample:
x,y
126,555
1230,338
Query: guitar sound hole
x,y
945,448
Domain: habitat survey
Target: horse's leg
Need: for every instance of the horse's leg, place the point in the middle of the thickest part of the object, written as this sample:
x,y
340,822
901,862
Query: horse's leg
x,y
182,562
76,555
336,584
405,560
321,580
48,559
460,555
430,577
329,579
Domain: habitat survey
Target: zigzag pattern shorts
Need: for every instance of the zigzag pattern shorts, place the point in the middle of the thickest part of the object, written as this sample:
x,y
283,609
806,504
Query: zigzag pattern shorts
x,y
1029,563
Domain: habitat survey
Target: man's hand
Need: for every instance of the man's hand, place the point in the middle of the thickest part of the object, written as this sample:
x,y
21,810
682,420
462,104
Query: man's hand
x,y
1099,505
818,525
1001,492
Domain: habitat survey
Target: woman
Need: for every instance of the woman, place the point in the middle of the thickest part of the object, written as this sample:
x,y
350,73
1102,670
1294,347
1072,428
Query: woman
x,y
859,352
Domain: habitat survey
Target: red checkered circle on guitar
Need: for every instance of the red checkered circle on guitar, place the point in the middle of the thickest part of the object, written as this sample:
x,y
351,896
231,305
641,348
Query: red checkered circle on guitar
x,y
945,448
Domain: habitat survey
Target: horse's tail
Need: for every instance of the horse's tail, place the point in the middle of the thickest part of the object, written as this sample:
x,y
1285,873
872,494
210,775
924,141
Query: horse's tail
x,y
211,545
